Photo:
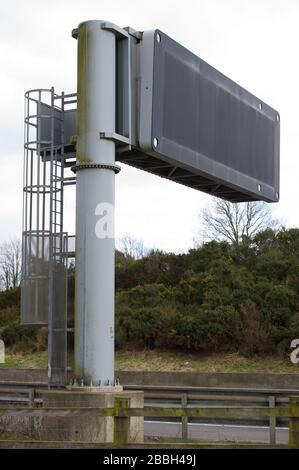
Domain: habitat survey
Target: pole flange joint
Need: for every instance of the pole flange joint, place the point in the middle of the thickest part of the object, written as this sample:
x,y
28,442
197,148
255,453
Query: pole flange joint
x,y
88,166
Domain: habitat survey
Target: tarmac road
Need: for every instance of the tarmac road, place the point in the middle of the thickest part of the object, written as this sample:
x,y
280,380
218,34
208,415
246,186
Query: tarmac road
x,y
216,432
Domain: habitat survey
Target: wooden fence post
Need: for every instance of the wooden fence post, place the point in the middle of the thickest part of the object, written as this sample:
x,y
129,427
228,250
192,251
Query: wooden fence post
x,y
31,397
184,402
294,422
121,421
272,421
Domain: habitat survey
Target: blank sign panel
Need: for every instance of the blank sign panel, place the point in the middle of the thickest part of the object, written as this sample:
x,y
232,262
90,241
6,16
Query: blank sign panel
x,y
204,130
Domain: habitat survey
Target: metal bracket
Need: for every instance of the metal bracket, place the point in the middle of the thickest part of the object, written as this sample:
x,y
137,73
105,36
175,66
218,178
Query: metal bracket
x,y
119,32
123,142
119,139
124,63
75,33
135,34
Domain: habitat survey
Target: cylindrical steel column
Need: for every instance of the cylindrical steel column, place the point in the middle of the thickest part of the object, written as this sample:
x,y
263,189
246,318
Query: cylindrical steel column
x,y
95,188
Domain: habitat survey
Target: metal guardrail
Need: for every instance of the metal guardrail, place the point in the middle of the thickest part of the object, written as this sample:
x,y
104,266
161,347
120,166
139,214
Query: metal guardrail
x,y
203,397
122,414
194,403
232,412
19,395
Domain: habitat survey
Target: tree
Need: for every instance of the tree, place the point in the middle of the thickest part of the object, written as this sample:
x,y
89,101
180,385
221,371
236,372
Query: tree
x,y
10,264
132,247
235,222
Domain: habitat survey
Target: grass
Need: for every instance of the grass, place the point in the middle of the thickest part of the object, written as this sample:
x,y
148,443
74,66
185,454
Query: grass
x,y
156,360
184,362
25,360
12,436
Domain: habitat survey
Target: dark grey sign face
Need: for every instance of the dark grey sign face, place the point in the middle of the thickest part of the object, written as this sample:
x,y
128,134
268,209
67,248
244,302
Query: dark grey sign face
x,y
213,134
69,122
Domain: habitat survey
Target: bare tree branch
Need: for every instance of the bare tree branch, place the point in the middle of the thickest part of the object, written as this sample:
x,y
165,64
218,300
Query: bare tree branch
x,y
131,247
233,222
10,264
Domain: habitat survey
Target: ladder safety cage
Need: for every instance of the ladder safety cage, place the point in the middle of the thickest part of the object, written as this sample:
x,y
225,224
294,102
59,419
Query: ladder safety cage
x,y
44,242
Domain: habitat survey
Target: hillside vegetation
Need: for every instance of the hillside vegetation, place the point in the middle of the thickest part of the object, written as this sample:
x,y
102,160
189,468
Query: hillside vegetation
x,y
212,300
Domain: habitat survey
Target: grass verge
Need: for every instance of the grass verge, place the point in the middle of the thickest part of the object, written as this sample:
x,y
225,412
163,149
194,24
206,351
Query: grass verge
x,y
169,362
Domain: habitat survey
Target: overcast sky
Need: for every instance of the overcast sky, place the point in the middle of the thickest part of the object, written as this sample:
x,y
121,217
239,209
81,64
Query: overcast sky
x,y
254,42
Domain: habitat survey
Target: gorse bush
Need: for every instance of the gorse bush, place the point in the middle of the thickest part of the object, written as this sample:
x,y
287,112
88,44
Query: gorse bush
x,y
213,298
19,338
9,315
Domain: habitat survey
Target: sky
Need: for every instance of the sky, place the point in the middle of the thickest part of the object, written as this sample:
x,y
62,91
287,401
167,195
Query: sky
x,y
253,42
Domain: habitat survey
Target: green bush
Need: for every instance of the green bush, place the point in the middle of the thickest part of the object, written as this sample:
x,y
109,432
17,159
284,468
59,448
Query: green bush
x,y
9,315
210,299
255,337
20,337
145,326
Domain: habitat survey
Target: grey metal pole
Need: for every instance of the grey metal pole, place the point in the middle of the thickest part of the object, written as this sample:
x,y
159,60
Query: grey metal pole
x,y
95,188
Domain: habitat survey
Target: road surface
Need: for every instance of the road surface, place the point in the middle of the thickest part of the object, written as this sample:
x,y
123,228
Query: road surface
x,y
216,432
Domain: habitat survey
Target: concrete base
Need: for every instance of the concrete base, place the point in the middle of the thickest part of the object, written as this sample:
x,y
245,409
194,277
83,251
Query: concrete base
x,y
78,420
95,389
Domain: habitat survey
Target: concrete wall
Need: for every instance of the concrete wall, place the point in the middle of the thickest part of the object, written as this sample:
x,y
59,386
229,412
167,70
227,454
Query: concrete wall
x,y
74,416
181,379
226,380
26,376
